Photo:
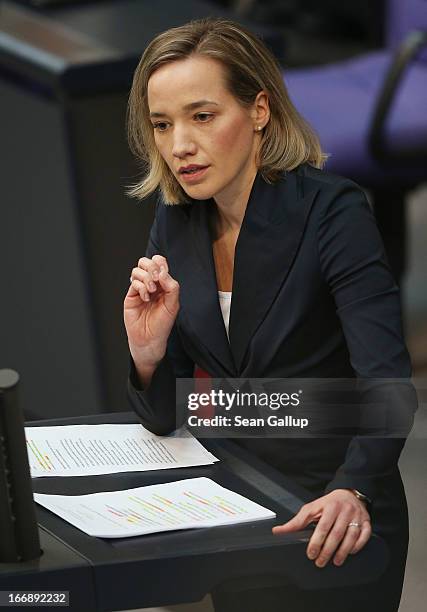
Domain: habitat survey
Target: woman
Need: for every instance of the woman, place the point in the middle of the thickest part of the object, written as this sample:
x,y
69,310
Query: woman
x,y
247,212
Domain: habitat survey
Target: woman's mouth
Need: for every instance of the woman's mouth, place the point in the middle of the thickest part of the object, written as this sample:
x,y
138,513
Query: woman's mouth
x,y
193,174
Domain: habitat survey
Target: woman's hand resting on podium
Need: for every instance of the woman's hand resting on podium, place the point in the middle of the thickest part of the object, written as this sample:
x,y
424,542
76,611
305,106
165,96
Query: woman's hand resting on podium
x,y
150,308
343,526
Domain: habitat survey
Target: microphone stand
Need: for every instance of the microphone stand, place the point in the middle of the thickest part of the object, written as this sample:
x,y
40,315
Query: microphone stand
x,y
19,534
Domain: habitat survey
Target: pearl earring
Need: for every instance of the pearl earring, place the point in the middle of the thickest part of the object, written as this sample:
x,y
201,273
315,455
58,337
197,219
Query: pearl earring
x,y
258,128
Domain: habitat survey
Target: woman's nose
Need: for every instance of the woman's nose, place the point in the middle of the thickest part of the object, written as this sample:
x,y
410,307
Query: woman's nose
x,y
183,144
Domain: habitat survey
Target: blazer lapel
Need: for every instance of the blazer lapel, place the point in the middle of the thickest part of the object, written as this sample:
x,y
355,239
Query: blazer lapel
x,y
268,242
195,271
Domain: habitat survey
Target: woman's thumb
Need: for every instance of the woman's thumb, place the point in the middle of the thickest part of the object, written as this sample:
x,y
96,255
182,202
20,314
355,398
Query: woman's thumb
x,y
169,285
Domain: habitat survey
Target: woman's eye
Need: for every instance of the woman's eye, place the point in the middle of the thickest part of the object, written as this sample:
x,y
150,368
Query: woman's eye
x,y
161,126
203,117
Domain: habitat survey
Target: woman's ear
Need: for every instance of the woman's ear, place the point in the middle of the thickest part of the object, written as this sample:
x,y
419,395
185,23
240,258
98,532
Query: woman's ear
x,y
261,110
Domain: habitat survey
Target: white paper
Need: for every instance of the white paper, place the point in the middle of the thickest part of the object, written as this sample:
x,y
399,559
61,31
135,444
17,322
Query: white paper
x,y
86,450
184,504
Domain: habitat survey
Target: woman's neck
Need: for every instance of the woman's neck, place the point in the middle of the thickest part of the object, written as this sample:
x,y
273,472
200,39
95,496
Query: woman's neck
x,y
230,208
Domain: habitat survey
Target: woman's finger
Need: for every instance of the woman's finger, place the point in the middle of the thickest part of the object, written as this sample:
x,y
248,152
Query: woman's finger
x,y
303,518
364,536
140,287
132,291
152,266
351,535
145,277
160,261
170,292
326,524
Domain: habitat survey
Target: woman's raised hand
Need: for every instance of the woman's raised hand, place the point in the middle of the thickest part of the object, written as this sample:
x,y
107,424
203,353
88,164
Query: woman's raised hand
x,y
150,309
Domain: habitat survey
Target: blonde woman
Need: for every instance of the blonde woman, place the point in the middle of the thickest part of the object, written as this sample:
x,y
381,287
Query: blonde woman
x,y
261,264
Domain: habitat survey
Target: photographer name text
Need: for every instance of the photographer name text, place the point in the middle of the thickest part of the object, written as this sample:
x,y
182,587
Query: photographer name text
x,y
239,421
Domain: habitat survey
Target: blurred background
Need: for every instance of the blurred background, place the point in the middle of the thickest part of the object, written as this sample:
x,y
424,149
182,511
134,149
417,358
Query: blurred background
x,y
70,236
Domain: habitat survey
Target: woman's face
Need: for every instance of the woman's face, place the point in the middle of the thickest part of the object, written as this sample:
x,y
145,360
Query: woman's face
x,y
208,140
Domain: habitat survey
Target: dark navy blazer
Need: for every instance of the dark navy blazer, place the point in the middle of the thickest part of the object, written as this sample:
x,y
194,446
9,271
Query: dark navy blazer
x,y
313,297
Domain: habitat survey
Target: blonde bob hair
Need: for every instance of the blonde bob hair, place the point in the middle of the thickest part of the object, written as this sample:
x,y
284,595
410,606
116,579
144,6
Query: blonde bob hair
x,y
287,139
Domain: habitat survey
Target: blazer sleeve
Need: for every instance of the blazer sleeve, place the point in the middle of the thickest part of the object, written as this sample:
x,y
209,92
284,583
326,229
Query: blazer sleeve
x,y
367,302
156,404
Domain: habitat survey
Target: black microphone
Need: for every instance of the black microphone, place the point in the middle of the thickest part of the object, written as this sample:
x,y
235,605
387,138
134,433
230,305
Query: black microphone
x,y
19,534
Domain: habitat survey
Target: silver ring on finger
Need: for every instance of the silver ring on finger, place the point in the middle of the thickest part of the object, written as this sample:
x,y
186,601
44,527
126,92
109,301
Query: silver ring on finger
x,y
354,524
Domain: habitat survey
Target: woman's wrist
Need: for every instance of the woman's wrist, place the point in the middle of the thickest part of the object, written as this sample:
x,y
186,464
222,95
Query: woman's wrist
x,y
145,374
145,365
361,497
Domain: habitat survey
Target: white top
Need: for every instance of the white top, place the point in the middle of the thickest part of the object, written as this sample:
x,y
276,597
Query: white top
x,y
225,304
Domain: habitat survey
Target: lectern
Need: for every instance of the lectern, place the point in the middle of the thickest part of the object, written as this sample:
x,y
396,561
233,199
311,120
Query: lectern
x,y
180,566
